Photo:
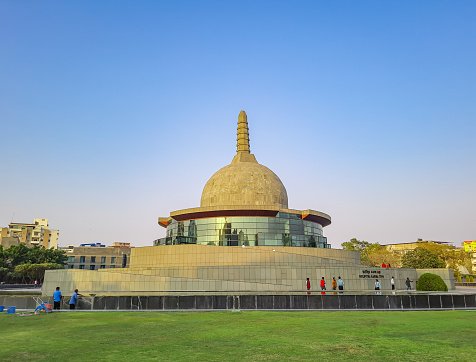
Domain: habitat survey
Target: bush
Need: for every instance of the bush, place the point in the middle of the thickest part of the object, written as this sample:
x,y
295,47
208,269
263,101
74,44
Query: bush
x,y
431,282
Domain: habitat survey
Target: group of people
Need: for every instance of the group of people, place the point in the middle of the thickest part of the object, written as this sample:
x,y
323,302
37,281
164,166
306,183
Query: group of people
x,y
339,284
378,285
58,298
336,284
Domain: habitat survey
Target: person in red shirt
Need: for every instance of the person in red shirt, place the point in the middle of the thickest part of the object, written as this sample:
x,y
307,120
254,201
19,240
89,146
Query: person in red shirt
x,y
308,285
323,283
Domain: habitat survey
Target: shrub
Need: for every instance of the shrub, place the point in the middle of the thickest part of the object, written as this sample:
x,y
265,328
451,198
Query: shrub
x,y
431,282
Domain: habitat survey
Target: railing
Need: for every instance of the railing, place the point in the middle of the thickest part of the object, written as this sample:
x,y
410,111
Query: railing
x,y
266,292
20,286
465,284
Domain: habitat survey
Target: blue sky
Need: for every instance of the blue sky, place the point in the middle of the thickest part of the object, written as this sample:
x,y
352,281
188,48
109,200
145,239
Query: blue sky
x,y
113,113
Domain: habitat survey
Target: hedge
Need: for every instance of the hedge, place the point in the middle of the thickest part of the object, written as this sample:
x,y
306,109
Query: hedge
x,y
431,282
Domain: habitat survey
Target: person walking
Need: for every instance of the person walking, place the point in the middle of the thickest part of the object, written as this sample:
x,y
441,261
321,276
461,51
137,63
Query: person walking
x,y
308,285
323,284
73,300
377,286
340,284
408,283
334,283
392,283
57,298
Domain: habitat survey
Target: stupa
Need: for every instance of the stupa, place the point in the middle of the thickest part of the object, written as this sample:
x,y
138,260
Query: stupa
x,y
245,204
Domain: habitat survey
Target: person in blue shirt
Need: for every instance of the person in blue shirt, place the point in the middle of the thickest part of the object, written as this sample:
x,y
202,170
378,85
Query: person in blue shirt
x,y
340,284
57,298
377,287
73,300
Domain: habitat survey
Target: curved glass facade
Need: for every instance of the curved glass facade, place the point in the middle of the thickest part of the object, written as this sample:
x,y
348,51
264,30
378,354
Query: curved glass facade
x,y
282,230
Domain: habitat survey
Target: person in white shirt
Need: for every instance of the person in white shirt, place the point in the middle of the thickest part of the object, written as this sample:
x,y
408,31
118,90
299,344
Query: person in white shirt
x,y
377,287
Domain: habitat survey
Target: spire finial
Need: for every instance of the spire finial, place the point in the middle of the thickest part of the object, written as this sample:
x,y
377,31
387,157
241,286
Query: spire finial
x,y
242,134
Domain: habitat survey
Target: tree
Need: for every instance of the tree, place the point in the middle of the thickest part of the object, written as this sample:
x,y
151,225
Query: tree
x,y
360,246
4,273
55,256
454,258
422,258
354,244
20,254
17,254
30,272
378,255
371,254
3,257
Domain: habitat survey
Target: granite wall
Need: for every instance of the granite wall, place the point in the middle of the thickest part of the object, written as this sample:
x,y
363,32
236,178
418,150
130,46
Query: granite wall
x,y
264,302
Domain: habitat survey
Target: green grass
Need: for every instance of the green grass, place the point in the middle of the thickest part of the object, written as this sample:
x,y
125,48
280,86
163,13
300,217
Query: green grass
x,y
241,336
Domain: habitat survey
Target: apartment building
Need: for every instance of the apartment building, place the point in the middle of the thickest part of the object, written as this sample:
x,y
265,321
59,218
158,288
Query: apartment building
x,y
36,233
470,247
95,256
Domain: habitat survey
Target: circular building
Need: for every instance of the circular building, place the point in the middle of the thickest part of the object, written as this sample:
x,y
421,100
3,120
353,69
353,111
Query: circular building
x,y
243,238
245,204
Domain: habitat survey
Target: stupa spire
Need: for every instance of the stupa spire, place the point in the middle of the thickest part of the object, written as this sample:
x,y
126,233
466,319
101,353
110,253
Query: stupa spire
x,y
242,134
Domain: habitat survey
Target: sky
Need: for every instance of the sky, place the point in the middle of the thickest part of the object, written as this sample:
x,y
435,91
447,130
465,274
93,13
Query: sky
x,y
113,113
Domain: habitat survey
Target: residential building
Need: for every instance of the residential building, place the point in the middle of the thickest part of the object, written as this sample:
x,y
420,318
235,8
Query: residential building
x,y
95,256
403,248
36,233
470,247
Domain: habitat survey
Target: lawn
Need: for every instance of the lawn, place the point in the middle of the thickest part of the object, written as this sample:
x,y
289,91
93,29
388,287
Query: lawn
x,y
239,336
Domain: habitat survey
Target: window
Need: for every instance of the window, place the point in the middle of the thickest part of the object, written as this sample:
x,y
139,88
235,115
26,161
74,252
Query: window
x,y
93,259
103,266
81,267
70,259
92,267
82,259
103,259
113,259
71,266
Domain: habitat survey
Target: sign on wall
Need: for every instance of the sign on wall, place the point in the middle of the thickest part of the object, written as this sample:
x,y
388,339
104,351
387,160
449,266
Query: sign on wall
x,y
470,246
371,274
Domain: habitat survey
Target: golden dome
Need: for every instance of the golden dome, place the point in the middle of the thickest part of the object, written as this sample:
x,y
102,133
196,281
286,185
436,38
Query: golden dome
x,y
244,182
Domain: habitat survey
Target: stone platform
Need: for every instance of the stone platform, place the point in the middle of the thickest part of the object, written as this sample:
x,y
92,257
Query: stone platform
x,y
203,269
